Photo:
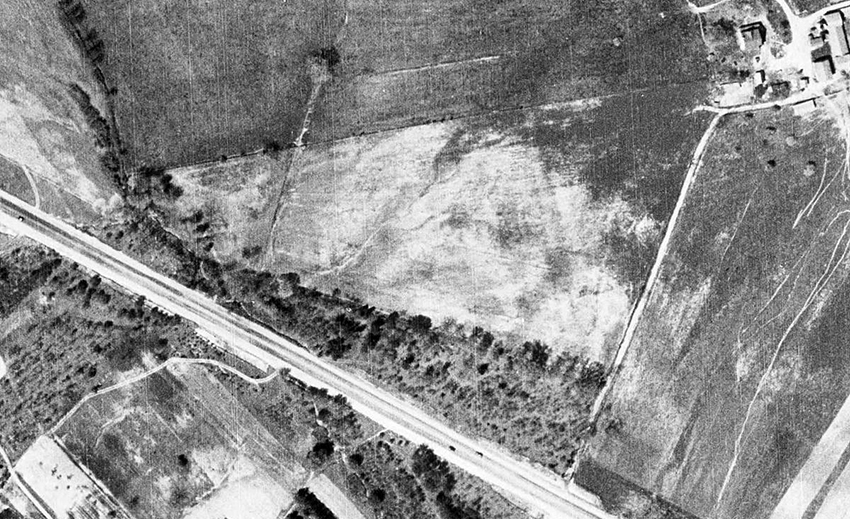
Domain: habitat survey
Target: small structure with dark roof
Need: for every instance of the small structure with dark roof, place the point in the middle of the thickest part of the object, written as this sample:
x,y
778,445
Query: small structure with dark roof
x,y
753,35
824,68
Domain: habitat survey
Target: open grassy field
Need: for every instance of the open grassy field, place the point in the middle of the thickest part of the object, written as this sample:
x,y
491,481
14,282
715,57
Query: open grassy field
x,y
42,126
541,223
196,80
735,372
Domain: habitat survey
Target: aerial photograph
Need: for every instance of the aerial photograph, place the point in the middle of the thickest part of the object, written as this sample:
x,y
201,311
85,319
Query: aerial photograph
x,y
425,259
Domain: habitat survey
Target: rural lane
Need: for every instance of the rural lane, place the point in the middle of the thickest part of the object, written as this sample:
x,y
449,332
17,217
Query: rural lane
x,y
541,491
637,312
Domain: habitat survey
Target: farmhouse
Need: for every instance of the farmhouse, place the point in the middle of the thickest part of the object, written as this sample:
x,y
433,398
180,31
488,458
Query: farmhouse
x,y
753,35
836,33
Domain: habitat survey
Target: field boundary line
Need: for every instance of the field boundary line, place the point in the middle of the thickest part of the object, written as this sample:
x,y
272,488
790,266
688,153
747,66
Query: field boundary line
x,y
432,66
637,312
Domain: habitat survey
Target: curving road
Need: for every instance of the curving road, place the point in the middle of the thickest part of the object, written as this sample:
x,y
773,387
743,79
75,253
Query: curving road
x,y
173,361
540,491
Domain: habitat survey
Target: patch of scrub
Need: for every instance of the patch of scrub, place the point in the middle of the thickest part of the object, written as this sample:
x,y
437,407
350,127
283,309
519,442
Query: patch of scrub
x,y
215,462
231,203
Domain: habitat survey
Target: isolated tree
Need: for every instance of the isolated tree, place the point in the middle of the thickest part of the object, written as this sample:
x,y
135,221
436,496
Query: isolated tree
x,y
536,353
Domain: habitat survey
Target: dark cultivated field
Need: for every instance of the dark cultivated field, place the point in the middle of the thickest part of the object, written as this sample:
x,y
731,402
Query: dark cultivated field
x,y
540,52
739,343
193,82
196,80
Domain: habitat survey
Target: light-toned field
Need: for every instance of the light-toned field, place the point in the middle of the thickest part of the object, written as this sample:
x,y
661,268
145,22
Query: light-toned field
x,y
334,498
42,130
490,240
60,483
502,221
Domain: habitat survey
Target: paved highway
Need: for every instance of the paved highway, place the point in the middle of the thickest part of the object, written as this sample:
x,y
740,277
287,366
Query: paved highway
x,y
541,491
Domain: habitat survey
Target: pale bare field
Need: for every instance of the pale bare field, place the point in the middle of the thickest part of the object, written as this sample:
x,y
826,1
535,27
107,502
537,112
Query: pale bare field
x,y
42,130
434,220
65,487
490,240
333,498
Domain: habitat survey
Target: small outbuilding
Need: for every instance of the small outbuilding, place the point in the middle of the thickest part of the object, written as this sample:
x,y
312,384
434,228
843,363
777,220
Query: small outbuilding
x,y
824,68
805,107
754,35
